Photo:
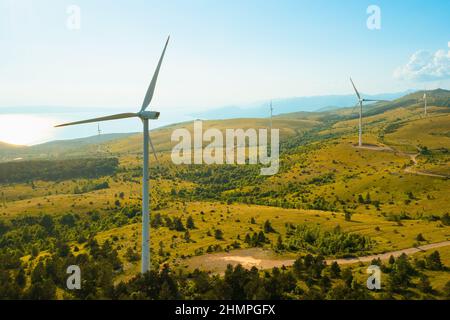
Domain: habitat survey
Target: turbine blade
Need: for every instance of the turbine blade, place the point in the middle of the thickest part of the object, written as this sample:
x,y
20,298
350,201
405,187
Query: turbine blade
x,y
356,91
153,148
151,88
375,100
107,118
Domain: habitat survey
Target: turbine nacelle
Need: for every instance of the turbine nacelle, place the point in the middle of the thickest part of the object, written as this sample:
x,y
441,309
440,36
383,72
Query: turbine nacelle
x,y
149,115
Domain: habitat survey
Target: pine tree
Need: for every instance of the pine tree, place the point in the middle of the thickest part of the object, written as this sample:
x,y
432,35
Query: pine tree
x,y
391,260
161,249
178,224
360,199
335,270
156,221
447,290
445,219
348,277
261,238
21,278
187,236
348,215
368,200
433,261
268,227
420,237
218,234
279,245
424,284
190,223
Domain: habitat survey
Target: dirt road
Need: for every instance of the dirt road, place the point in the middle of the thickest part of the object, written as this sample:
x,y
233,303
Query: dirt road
x,y
266,259
385,256
409,169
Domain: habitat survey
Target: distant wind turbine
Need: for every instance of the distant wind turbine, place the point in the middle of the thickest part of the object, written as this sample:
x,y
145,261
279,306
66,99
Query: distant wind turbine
x,y
98,129
425,103
360,102
271,113
145,116
3,200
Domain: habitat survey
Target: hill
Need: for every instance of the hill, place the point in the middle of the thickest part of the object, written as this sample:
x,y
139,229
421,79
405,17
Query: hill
x,y
289,105
6,146
59,148
290,124
329,197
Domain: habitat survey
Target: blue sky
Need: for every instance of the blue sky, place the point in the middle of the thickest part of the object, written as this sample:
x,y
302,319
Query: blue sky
x,y
221,52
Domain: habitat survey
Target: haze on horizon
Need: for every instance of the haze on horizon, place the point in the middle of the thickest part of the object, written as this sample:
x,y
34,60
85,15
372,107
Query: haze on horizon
x,y
221,53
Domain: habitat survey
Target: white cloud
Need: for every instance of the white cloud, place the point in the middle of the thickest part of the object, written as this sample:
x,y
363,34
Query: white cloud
x,y
425,66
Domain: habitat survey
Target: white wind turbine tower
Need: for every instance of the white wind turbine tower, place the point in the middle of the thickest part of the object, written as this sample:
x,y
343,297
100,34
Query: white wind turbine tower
x,y
425,103
271,113
145,116
360,102
99,131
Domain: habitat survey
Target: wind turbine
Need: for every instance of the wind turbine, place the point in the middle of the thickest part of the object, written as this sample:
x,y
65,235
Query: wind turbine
x,y
271,111
360,102
425,103
98,129
145,116
3,200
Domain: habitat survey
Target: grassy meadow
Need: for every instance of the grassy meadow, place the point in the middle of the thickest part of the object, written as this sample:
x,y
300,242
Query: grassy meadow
x,y
376,199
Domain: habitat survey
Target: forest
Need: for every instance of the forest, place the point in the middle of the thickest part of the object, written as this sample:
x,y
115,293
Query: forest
x,y
56,170
310,278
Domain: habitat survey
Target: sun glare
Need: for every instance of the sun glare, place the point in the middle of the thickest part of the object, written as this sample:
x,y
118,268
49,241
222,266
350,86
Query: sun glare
x,y
24,129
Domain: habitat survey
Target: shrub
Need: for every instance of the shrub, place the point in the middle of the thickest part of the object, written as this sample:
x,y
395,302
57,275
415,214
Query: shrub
x,y
268,227
420,237
313,239
218,234
131,255
190,223
446,219
433,261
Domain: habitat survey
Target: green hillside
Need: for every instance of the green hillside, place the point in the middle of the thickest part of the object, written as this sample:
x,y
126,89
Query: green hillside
x,y
330,199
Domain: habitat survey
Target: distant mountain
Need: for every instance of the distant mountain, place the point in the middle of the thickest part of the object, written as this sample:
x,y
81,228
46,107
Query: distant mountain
x,y
57,148
290,123
437,97
7,146
288,105
80,142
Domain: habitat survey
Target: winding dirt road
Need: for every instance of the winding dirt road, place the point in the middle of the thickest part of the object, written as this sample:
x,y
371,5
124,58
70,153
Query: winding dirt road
x,y
413,156
266,259
410,169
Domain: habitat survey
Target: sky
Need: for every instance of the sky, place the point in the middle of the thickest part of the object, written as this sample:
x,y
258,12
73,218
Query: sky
x,y
221,52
